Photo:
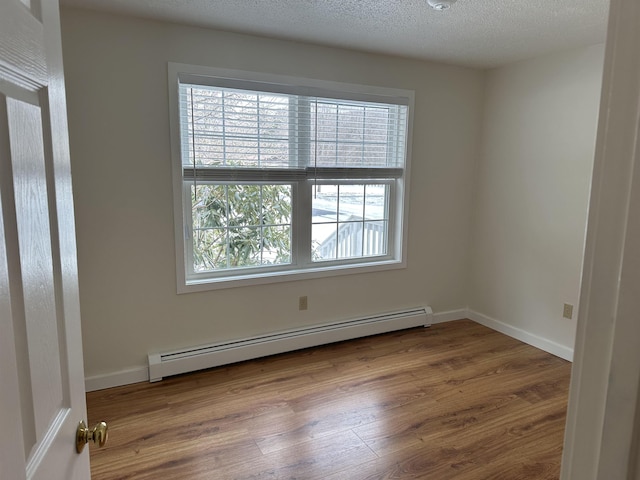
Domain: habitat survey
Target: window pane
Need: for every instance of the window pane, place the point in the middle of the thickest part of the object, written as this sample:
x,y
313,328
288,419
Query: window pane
x,y
276,244
375,238
324,221
253,225
209,206
244,247
325,203
209,249
351,203
353,222
276,204
244,205
324,241
350,240
375,206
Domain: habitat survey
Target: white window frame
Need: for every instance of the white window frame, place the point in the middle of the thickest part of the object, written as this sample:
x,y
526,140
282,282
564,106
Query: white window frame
x,y
302,267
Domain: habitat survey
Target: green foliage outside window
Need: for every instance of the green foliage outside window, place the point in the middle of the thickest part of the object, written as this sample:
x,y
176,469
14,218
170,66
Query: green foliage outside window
x,y
240,225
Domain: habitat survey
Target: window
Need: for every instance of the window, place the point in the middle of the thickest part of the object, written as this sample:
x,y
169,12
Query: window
x,y
275,177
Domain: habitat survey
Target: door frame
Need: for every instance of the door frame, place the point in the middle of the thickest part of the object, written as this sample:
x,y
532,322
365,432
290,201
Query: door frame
x,y
601,439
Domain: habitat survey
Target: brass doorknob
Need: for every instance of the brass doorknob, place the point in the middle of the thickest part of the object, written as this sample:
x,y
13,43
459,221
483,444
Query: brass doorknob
x,y
98,435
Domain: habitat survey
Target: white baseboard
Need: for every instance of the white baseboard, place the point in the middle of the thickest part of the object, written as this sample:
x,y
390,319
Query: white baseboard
x,y
542,343
116,379
450,315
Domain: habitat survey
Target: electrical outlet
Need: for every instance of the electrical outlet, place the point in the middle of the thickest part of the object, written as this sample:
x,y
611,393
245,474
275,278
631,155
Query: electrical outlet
x,y
568,311
302,303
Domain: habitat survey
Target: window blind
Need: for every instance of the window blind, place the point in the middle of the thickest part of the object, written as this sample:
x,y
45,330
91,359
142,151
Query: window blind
x,y
235,134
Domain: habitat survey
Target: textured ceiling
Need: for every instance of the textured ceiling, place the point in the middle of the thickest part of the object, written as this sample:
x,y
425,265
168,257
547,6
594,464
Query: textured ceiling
x,y
478,33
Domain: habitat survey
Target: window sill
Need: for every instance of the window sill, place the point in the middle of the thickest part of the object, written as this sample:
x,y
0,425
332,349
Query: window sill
x,y
202,285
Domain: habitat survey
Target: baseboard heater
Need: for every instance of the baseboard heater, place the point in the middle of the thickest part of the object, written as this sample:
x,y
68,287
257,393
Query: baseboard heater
x,y
208,356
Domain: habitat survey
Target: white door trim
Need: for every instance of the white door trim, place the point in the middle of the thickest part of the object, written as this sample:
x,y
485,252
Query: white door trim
x,y
601,425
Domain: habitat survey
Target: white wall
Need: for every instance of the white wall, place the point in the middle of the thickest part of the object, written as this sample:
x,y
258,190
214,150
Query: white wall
x,y
533,181
119,131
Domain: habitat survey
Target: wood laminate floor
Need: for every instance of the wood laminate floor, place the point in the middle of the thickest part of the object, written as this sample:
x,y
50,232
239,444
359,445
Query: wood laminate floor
x,y
453,401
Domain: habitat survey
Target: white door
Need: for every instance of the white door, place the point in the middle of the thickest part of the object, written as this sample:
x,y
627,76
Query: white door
x,y
41,373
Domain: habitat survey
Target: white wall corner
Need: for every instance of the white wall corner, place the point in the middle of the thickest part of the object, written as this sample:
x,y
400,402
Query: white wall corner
x,y
116,379
534,340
